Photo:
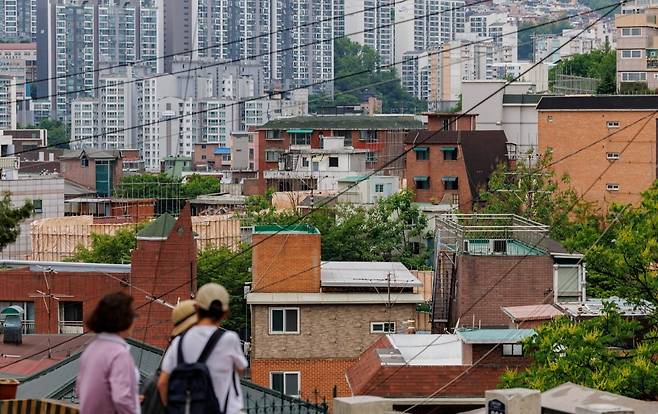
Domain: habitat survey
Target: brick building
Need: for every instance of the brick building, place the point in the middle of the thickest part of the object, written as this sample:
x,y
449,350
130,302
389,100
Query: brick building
x,y
613,137
451,121
310,320
99,170
408,368
487,262
164,260
381,136
451,167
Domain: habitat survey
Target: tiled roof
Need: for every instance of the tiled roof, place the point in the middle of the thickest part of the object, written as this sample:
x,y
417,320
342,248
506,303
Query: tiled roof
x,y
599,102
158,228
92,153
345,122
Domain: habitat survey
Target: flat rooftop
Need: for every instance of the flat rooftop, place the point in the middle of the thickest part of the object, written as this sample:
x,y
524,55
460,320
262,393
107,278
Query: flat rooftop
x,y
344,122
367,274
424,350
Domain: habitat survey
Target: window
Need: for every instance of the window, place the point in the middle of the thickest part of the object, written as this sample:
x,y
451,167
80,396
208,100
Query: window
x,y
37,206
612,155
333,161
631,31
631,54
203,157
103,178
512,350
446,124
203,146
549,118
284,320
633,76
450,183
379,188
305,162
285,382
273,134
449,153
612,187
272,156
613,124
382,327
300,139
422,182
371,157
422,153
369,135
84,162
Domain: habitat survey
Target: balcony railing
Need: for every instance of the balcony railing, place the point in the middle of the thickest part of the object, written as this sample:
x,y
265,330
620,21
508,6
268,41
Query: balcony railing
x,y
71,327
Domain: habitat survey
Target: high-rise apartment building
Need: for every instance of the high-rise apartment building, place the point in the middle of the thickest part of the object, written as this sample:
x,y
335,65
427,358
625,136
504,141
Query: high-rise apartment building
x,y
18,20
637,49
82,37
371,23
7,102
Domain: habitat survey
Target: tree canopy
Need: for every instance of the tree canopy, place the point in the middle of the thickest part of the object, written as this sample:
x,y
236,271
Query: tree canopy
x,y
605,353
106,248
58,133
352,58
11,218
598,64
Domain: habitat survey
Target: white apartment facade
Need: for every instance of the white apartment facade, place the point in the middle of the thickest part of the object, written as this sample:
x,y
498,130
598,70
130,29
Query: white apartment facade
x,y
8,115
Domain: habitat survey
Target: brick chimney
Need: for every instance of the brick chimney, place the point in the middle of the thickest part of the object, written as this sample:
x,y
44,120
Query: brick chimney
x,y
164,260
287,261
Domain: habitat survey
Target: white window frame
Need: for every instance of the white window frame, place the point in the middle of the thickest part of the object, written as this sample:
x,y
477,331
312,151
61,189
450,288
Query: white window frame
x,y
626,76
630,53
628,31
383,327
284,332
612,187
513,350
612,155
284,373
612,124
379,186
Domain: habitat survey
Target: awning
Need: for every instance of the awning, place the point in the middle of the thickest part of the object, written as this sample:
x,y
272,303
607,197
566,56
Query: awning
x,y
421,178
449,179
222,151
421,149
448,148
300,131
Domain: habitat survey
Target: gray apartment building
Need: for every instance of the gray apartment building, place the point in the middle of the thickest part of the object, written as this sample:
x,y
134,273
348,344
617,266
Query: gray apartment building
x,y
18,20
637,49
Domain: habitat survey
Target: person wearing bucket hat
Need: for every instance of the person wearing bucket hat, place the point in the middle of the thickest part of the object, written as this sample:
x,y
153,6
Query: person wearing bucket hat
x,y
225,362
183,317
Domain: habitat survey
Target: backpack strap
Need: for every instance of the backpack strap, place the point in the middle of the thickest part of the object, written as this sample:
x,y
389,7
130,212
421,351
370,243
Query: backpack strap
x,y
181,359
210,345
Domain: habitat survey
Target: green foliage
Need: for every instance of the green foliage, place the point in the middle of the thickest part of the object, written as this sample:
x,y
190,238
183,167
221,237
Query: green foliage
x,y
383,232
105,248
351,58
58,133
525,50
623,260
11,218
635,88
533,191
599,353
196,185
596,4
598,64
223,266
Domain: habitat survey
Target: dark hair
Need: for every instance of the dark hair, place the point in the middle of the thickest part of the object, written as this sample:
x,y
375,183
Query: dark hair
x,y
215,312
114,313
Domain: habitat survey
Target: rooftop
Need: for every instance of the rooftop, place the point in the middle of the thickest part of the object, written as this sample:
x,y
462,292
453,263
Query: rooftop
x,y
291,298
367,274
92,153
599,103
345,122
292,229
493,336
158,229
532,312
594,307
426,350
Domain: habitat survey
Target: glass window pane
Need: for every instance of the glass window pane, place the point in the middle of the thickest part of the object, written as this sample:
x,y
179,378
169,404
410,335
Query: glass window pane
x,y
277,320
291,320
517,349
292,384
277,381
507,349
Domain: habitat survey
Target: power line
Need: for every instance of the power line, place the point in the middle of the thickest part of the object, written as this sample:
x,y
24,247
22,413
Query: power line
x,y
191,51
385,66
252,57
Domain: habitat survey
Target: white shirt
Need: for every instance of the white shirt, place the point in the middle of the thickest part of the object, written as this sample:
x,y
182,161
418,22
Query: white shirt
x,y
225,359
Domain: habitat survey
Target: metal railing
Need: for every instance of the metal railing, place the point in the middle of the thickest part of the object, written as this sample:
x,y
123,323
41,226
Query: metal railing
x,y
260,400
71,327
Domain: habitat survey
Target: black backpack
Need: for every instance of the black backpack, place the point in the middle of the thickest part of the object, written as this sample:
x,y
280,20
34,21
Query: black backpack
x,y
190,389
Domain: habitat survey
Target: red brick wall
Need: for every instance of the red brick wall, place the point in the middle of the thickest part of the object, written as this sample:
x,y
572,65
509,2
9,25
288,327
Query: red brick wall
x,y
86,176
464,123
436,168
317,374
635,171
361,373
481,285
163,266
286,262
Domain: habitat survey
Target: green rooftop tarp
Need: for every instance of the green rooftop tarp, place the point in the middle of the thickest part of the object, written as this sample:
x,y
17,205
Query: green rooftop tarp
x,y
493,336
275,228
158,228
300,131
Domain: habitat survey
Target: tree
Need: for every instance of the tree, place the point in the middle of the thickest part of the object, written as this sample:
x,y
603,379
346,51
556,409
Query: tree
x,y
222,265
197,185
604,353
58,134
622,250
11,218
106,248
149,185
356,68
598,64
534,192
